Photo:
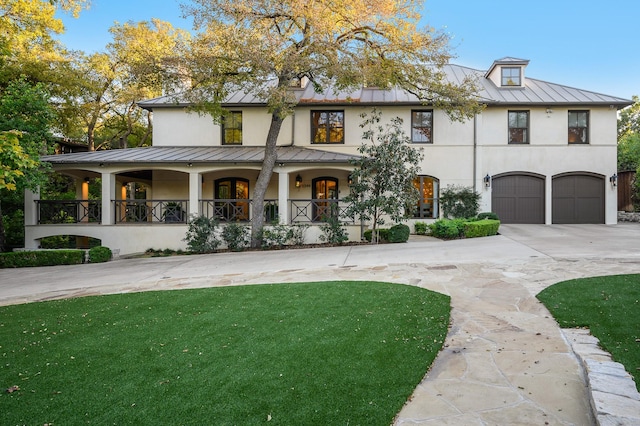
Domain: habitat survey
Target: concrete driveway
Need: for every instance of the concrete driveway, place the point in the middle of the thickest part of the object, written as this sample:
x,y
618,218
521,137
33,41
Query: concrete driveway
x,y
505,360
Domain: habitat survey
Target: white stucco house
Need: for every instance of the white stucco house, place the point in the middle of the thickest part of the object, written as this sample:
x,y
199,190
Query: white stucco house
x,y
539,153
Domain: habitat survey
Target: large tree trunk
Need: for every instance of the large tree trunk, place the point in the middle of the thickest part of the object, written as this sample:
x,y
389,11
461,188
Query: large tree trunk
x,y
269,162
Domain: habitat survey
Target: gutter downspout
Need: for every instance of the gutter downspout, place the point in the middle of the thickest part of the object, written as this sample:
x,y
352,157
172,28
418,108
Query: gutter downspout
x,y
475,152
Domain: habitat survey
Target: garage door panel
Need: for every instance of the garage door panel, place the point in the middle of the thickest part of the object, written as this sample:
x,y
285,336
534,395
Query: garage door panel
x,y
518,198
578,199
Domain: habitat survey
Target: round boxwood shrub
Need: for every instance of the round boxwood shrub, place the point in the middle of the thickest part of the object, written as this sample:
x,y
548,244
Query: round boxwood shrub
x,y
399,233
100,254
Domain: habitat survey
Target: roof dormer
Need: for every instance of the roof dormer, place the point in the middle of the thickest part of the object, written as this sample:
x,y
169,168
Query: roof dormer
x,y
507,72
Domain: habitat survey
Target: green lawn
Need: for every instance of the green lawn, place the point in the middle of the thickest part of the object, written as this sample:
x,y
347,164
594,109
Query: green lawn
x,y
609,307
307,353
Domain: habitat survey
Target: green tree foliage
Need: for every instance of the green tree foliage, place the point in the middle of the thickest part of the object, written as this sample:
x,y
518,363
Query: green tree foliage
x,y
262,47
27,29
459,202
100,107
26,118
629,144
383,176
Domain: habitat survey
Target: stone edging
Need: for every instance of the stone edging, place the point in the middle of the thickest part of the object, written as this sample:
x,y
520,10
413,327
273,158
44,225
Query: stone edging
x,y
628,217
614,397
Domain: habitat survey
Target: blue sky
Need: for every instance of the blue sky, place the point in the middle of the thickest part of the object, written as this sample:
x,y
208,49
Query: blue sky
x,y
588,44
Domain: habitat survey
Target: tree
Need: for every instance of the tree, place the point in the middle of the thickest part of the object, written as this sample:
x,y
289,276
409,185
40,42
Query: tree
x,y
261,47
629,121
26,35
383,178
25,130
101,105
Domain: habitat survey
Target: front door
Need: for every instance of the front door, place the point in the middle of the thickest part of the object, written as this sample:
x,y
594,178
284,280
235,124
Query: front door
x,y
232,199
324,188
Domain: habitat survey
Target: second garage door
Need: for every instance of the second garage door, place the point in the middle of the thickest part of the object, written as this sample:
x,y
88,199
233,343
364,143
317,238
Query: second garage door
x,y
518,198
578,199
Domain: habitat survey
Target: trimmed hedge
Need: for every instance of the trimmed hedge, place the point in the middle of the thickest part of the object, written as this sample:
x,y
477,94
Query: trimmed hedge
x,y
421,228
21,259
481,228
399,233
100,254
449,229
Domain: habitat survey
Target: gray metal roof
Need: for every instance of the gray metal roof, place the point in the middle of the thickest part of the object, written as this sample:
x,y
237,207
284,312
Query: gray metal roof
x,y
534,92
198,155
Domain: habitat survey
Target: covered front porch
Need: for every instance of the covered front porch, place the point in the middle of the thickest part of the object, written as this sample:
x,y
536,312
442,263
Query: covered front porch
x,y
148,195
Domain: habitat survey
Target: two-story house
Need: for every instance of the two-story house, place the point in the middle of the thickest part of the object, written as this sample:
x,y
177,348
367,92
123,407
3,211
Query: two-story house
x,y
539,153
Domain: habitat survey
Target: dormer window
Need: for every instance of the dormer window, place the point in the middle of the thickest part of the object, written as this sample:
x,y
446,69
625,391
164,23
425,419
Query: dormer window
x,y
511,76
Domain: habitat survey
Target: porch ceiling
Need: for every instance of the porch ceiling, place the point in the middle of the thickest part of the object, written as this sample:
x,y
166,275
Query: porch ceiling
x,y
198,155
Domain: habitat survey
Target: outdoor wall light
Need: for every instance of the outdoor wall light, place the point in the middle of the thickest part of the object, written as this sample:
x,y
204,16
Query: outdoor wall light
x,y
614,179
487,181
350,179
298,181
549,112
87,180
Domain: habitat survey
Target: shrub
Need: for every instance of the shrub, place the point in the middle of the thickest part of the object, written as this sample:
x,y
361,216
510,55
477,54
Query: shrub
x,y
333,232
487,215
399,233
277,235
459,202
448,228
236,236
383,235
21,259
298,231
100,254
201,236
421,228
481,228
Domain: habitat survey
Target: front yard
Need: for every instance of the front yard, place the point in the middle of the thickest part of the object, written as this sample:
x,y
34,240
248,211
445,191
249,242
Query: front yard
x,y
307,353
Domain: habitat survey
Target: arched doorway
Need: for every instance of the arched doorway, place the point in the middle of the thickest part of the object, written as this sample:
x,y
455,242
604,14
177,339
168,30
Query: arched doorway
x,y
324,188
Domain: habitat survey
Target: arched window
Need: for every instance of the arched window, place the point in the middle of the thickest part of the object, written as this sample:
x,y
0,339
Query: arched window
x,y
427,206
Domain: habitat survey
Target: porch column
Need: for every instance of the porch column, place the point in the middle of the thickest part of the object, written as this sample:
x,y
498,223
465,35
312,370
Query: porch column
x,y
108,194
195,193
283,198
30,217
31,207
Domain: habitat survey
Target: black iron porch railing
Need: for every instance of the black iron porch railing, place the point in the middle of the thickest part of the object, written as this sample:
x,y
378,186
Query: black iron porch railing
x,y
318,210
234,210
176,211
68,211
151,211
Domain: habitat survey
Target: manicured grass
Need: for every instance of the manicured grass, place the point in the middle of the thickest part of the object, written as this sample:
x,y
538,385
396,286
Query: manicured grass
x,y
609,307
306,353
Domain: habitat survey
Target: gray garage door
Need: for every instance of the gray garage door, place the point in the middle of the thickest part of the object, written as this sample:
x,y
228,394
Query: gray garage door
x,y
578,199
518,198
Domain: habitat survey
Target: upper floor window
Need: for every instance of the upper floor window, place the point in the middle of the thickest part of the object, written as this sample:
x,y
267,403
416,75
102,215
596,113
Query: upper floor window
x,y
518,126
511,76
232,128
327,126
578,127
422,126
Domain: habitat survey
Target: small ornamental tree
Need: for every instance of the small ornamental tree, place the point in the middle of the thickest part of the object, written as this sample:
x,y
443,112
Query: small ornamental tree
x,y
383,176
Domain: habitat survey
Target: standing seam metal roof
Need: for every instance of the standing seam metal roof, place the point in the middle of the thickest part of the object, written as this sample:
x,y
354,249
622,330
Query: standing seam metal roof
x,y
195,155
535,92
